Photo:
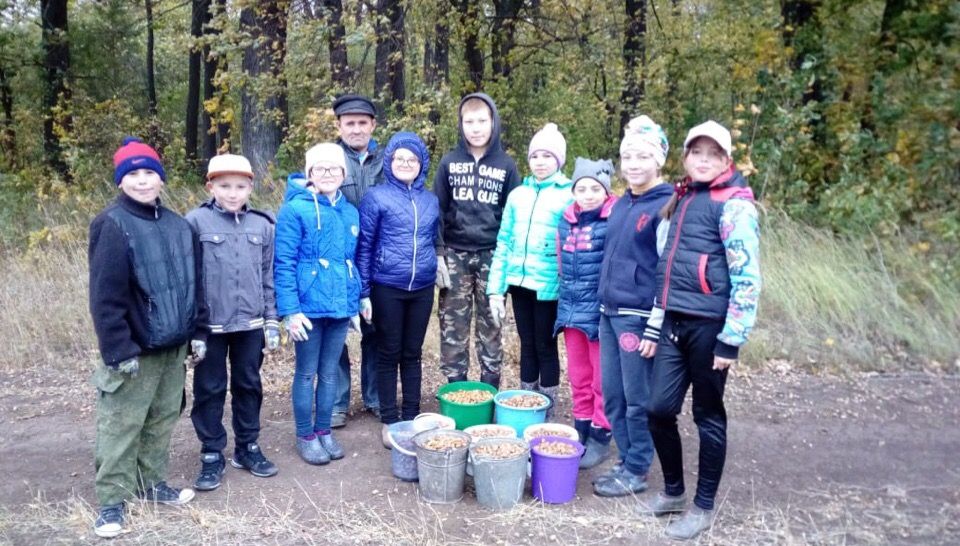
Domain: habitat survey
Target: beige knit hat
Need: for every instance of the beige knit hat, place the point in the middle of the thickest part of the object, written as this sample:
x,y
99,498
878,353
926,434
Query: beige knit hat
x,y
229,164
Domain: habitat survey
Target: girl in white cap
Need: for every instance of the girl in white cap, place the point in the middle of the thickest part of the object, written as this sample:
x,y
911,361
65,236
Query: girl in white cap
x,y
708,285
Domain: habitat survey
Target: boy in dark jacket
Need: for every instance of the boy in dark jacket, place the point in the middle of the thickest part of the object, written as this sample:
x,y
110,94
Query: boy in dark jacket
x,y
236,243
146,303
471,184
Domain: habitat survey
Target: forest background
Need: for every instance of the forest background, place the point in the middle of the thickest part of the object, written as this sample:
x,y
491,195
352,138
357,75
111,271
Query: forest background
x,y
845,115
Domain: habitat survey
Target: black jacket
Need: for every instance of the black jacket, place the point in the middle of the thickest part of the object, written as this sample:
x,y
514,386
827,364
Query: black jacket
x,y
145,292
472,193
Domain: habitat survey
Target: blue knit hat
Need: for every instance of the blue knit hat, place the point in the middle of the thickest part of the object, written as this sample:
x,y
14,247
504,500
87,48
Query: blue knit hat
x,y
133,154
408,141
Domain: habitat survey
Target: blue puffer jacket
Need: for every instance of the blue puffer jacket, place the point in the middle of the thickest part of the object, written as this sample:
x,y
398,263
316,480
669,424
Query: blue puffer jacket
x,y
398,226
580,238
313,265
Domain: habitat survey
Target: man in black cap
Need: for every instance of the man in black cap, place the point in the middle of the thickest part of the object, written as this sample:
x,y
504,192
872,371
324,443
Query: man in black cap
x,y
356,121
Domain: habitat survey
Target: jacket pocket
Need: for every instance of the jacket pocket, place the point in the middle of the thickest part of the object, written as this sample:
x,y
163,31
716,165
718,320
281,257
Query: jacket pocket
x,y
702,274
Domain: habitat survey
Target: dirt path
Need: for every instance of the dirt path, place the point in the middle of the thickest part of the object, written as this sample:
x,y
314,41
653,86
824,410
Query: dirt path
x,y
870,459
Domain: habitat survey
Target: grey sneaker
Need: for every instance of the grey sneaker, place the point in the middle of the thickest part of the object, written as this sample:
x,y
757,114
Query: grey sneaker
x,y
110,521
624,483
338,419
251,458
614,472
597,448
311,451
661,504
331,446
693,522
161,493
385,436
211,471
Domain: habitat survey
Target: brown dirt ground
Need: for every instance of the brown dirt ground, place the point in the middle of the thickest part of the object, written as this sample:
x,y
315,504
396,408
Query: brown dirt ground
x,y
866,459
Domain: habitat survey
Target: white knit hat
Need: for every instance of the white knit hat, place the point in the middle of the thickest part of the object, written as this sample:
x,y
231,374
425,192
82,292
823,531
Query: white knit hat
x,y
712,130
551,141
644,133
229,164
326,151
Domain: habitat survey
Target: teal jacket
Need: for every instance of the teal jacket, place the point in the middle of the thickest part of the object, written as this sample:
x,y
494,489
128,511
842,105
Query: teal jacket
x,y
526,253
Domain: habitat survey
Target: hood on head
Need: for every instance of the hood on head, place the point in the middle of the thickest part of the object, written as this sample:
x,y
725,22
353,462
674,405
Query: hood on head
x,y
495,129
412,142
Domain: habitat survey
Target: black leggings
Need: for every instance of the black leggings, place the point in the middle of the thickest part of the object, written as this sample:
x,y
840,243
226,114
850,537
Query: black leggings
x,y
685,357
539,357
401,319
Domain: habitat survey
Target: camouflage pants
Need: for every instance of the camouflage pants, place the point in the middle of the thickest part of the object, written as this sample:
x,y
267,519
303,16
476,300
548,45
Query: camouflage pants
x,y
468,286
135,418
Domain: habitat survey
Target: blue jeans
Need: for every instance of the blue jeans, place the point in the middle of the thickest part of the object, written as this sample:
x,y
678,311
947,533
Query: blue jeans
x,y
317,356
625,376
368,372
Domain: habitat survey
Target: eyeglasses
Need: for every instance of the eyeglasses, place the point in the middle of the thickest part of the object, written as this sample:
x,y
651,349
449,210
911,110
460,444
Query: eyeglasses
x,y
406,161
326,171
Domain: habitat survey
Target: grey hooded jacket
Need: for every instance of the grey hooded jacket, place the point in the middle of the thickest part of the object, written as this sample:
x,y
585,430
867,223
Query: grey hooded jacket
x,y
237,254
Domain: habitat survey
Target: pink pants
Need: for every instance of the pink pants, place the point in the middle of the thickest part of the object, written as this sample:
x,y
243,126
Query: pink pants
x,y
583,365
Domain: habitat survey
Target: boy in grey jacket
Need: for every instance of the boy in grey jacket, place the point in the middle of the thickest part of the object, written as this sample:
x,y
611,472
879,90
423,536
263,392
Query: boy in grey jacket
x,y
237,252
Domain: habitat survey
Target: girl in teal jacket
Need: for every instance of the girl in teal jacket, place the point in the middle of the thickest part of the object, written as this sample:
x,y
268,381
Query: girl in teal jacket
x,y
525,261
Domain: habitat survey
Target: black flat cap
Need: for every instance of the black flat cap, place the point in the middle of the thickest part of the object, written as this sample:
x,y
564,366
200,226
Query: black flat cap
x,y
354,104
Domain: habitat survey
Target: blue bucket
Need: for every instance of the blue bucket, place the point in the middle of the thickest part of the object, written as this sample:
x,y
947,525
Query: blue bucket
x,y
519,418
403,456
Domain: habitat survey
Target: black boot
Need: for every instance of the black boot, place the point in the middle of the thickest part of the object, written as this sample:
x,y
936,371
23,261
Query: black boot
x,y
492,379
456,378
583,429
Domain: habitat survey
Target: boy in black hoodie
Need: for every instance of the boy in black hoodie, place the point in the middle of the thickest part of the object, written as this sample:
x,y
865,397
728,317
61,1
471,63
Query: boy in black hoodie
x,y
472,183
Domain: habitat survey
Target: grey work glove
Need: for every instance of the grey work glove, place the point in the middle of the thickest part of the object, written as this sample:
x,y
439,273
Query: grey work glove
x,y
131,367
355,323
271,335
366,309
498,310
297,325
198,351
443,274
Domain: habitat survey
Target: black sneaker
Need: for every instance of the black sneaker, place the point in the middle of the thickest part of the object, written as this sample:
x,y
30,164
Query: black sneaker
x,y
161,493
211,470
110,521
252,459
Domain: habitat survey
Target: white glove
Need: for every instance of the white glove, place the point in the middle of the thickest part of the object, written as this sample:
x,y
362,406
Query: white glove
x,y
443,274
366,309
131,367
271,336
498,310
199,349
297,325
355,323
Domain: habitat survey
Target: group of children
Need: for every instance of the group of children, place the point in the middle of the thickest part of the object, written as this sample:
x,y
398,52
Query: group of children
x,y
654,291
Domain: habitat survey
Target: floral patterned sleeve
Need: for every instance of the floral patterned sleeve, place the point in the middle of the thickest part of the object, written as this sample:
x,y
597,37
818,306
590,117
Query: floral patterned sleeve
x,y
740,233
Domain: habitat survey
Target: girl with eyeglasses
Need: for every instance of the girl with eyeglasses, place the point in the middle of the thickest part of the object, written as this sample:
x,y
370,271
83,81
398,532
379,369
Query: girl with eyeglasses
x,y
397,260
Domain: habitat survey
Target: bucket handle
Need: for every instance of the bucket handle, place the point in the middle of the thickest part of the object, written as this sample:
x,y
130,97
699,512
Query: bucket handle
x,y
399,448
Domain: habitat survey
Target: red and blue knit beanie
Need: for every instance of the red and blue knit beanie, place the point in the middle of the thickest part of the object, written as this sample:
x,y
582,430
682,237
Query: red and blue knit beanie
x,y
133,154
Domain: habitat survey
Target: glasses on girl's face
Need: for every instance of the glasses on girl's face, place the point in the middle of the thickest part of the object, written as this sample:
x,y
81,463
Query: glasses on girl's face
x,y
325,171
406,161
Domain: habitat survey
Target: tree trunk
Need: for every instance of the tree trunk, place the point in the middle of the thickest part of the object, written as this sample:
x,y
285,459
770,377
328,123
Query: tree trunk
x,y
154,131
56,64
503,35
8,134
470,23
212,65
332,12
803,34
263,99
436,56
634,59
390,63
198,12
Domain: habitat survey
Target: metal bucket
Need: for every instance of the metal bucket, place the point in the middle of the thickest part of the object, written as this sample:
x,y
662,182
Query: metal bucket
x,y
442,473
499,482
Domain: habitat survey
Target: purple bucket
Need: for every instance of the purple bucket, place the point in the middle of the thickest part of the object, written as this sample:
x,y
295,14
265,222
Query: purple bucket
x,y
554,477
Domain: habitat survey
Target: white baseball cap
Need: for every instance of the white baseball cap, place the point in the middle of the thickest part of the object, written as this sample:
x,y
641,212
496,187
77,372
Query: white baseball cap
x,y
712,130
229,164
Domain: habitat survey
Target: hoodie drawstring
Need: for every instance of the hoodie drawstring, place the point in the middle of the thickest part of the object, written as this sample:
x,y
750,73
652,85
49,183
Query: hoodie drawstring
x,y
316,207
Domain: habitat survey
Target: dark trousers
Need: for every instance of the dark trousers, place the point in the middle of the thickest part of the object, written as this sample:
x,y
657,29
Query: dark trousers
x,y
400,318
685,357
539,356
244,350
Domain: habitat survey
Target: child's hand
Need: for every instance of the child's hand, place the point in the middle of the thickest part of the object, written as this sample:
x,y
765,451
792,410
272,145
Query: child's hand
x,y
271,336
131,367
355,323
297,325
498,309
648,348
720,363
443,274
366,309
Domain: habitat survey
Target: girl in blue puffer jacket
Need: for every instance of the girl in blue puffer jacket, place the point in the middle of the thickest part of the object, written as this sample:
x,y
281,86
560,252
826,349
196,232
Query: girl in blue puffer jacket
x,y
317,289
397,260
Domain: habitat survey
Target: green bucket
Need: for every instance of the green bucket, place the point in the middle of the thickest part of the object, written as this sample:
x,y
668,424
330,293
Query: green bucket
x,y
467,415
